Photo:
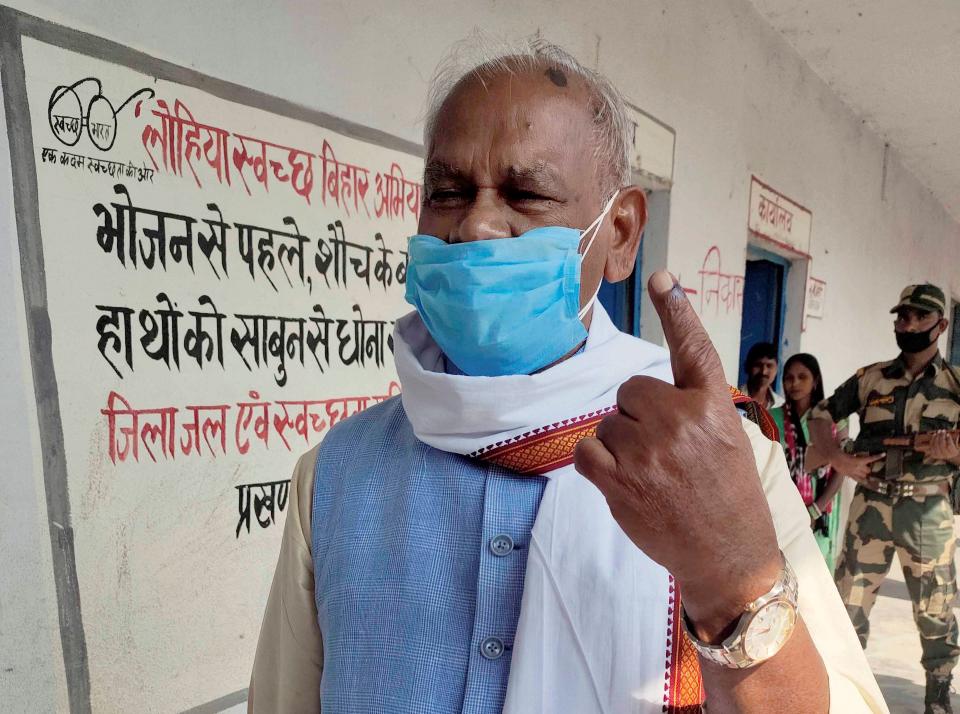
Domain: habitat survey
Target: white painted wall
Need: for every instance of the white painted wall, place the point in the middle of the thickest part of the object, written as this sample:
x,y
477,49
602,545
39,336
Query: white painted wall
x,y
739,98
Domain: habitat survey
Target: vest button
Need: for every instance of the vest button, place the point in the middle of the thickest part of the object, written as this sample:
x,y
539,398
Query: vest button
x,y
491,648
501,545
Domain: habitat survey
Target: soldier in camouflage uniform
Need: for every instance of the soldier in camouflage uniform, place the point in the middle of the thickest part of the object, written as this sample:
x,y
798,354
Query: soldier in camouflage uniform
x,y
902,501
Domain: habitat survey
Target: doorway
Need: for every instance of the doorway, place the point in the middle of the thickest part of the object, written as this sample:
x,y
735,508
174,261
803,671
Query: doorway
x,y
764,304
622,300
627,301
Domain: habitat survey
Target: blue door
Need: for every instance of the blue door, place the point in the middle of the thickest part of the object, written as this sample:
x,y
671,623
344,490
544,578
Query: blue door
x,y
763,306
622,301
613,297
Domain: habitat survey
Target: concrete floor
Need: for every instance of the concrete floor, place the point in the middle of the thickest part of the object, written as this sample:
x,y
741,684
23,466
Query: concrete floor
x,y
894,648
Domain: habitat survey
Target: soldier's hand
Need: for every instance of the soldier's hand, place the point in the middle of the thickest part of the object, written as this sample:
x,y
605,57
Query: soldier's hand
x,y
856,466
678,473
943,446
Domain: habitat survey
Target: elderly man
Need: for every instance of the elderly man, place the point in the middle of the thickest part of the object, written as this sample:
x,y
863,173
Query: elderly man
x,y
443,551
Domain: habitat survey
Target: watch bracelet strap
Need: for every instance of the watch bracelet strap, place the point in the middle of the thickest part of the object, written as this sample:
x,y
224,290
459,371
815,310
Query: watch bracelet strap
x,y
730,652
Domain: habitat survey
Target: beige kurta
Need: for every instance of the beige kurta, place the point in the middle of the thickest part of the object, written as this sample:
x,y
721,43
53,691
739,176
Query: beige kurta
x,y
289,660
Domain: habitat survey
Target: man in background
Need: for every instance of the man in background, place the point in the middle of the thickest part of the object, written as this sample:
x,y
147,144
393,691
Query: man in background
x,y
761,366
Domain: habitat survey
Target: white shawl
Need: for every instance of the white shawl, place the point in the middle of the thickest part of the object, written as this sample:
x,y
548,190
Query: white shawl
x,y
594,619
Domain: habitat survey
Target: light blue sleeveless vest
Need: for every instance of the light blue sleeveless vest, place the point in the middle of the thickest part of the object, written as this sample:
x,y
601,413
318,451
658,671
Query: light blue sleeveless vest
x,y
419,562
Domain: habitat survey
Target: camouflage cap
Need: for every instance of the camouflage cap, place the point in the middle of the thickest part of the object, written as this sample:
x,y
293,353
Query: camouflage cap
x,y
925,297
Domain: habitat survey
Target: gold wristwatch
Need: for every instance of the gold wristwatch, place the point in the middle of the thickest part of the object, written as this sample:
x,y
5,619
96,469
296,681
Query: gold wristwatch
x,y
762,629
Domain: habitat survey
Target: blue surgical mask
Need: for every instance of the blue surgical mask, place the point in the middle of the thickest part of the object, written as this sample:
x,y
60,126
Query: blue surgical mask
x,y
503,306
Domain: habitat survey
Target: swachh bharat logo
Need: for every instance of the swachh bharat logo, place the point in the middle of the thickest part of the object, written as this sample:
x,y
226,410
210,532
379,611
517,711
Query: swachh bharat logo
x,y
70,116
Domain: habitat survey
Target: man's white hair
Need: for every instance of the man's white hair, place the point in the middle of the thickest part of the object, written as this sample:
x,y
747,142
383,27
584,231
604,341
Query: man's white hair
x,y
481,57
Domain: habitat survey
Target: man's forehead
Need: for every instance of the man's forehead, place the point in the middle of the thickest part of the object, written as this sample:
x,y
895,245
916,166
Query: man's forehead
x,y
519,85
907,311
536,171
529,123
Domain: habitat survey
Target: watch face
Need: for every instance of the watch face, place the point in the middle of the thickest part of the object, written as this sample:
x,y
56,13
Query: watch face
x,y
769,629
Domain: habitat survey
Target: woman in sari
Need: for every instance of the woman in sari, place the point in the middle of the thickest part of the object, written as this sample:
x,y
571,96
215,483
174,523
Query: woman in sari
x,y
819,485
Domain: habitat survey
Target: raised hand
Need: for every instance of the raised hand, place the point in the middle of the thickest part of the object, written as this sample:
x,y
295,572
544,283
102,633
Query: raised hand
x,y
679,475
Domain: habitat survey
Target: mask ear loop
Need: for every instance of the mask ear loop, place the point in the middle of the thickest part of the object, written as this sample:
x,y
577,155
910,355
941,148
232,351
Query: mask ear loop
x,y
595,227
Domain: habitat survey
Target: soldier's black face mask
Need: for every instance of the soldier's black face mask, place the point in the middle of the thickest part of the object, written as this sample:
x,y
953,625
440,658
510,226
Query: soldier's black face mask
x,y
912,342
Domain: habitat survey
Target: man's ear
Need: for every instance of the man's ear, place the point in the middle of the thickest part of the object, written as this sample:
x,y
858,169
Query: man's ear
x,y
628,218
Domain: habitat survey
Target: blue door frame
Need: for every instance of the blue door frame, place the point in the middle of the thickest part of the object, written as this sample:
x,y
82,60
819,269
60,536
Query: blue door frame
x,y
764,304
